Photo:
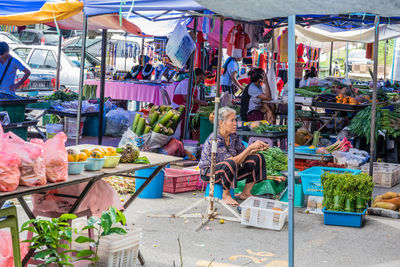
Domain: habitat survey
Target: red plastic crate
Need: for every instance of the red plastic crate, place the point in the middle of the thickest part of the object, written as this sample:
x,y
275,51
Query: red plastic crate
x,y
178,181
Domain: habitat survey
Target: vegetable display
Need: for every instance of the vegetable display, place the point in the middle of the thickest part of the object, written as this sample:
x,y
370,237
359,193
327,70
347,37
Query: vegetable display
x,y
275,161
161,119
262,128
389,201
346,192
341,145
63,96
361,124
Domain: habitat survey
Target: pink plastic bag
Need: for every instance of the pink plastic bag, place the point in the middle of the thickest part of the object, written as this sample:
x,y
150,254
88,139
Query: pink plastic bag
x,y
32,165
9,171
56,157
94,201
6,251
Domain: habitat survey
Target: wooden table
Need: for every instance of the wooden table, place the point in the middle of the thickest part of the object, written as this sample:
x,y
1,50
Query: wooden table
x,y
90,177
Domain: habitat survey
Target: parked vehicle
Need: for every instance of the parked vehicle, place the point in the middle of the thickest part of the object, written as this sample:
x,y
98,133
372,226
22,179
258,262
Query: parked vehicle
x,y
43,62
39,37
9,38
357,56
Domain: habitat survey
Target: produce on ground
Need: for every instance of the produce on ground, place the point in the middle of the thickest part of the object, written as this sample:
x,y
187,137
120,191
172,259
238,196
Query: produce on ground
x,y
275,161
123,185
346,192
389,201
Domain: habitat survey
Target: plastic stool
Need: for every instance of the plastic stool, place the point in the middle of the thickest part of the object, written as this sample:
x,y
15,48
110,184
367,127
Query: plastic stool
x,y
218,190
10,220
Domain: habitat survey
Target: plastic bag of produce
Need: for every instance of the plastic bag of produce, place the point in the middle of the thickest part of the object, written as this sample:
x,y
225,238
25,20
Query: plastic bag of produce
x,y
117,122
32,165
9,171
174,148
56,157
129,137
155,142
6,249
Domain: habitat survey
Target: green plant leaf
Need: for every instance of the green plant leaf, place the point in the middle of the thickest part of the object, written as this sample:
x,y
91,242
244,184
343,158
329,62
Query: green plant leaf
x,y
43,254
92,221
117,230
66,263
113,214
88,227
105,222
83,239
68,216
25,224
84,253
50,260
121,216
64,246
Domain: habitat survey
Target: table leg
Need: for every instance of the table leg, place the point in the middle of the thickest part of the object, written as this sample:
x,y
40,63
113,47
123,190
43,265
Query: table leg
x,y
82,196
31,216
141,259
145,184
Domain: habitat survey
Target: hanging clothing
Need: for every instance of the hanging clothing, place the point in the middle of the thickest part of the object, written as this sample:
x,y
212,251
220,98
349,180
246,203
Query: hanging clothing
x,y
255,34
237,41
283,47
313,57
255,57
263,60
300,53
370,51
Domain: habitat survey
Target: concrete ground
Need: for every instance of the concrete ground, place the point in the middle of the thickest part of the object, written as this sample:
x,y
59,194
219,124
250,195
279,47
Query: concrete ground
x,y
232,244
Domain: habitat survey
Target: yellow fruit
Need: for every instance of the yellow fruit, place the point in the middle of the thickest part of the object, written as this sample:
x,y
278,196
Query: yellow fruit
x,y
82,156
99,152
87,152
221,221
71,158
97,155
111,151
73,155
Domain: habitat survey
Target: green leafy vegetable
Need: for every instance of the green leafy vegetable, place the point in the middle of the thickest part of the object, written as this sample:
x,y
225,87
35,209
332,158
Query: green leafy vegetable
x,y
275,161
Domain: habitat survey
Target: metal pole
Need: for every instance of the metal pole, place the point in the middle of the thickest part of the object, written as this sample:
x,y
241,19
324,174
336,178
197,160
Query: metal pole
x,y
215,131
330,60
102,83
384,61
142,54
373,109
189,94
347,60
291,131
125,54
272,49
58,62
81,77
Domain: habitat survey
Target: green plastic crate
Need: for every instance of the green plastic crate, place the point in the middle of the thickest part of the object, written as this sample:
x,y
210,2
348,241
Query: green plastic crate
x,y
298,196
262,188
15,112
39,105
21,132
206,128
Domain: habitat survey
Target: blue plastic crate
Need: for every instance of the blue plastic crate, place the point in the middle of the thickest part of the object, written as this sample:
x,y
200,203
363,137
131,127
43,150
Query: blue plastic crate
x,y
311,178
339,218
305,150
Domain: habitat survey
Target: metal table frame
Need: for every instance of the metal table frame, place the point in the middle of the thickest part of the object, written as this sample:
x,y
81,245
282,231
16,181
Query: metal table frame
x,y
91,178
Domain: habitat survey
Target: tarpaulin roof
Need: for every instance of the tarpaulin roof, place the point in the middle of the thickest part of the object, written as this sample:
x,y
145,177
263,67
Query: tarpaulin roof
x,y
253,10
108,21
48,12
98,7
363,35
8,7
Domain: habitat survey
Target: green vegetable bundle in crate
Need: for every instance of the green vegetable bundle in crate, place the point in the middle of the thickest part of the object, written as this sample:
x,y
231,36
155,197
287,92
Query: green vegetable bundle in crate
x,y
162,119
275,161
346,192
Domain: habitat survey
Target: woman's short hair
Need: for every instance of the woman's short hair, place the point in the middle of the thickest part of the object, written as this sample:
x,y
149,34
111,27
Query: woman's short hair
x,y
256,74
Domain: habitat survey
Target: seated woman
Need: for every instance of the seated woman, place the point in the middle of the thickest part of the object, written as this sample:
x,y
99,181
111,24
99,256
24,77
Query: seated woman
x,y
310,79
234,162
258,110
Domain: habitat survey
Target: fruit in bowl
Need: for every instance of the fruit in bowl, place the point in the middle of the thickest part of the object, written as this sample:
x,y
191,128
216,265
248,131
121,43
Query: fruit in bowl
x,y
73,155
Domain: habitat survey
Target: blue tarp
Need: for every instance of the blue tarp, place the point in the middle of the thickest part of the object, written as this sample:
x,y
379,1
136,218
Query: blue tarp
x,y
13,7
99,7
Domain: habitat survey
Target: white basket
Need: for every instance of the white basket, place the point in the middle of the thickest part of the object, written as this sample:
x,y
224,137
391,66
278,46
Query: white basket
x,y
116,250
258,212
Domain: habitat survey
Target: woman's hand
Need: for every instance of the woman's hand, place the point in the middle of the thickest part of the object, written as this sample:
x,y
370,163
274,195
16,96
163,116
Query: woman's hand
x,y
258,146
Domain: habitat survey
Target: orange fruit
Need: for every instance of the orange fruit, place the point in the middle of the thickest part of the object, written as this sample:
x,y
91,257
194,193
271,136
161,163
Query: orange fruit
x,y
100,150
97,155
82,156
111,151
87,152
71,158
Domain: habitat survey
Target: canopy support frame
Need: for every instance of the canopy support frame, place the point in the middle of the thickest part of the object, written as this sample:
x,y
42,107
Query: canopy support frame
x,y
102,83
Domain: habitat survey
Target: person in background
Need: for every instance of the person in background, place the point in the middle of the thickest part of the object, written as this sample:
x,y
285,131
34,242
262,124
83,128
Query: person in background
x,y
8,70
180,95
230,74
310,79
257,109
234,162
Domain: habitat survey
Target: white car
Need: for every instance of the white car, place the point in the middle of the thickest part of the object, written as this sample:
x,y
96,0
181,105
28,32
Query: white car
x,y
42,60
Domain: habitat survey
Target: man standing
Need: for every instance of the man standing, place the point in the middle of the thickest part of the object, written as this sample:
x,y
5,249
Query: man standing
x,y
8,70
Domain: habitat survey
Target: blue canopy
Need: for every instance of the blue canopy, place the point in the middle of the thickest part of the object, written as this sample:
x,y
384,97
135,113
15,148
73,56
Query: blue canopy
x,y
99,7
8,7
